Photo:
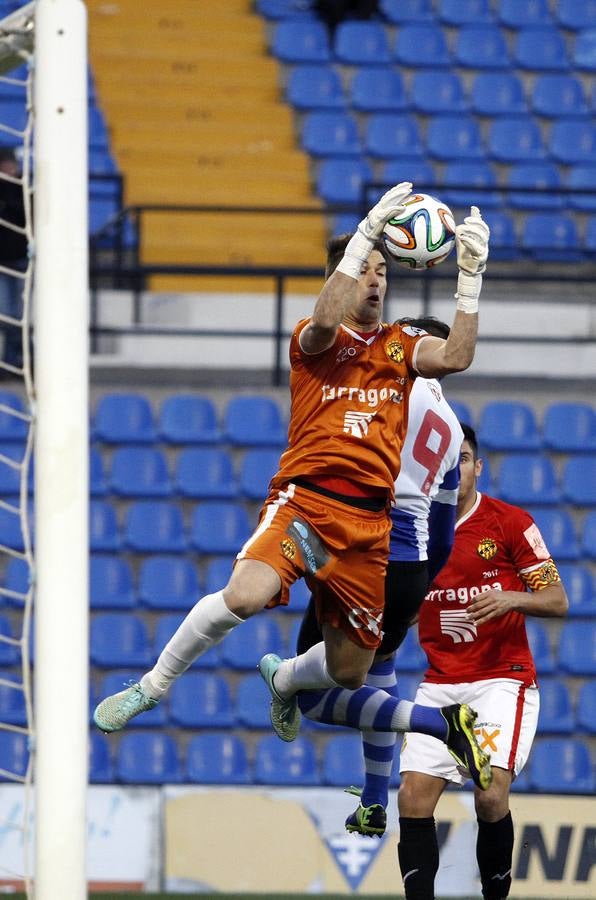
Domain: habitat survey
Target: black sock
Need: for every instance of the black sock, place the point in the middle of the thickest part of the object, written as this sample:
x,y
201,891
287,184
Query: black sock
x,y
494,851
418,852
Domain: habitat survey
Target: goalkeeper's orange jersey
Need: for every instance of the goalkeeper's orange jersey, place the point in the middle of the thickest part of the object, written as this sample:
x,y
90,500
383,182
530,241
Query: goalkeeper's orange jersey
x,y
349,406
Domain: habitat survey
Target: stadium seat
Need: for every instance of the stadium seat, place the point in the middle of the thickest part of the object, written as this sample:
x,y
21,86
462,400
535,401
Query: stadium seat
x,y
535,186
481,47
589,536
485,481
579,480
586,707
584,51
283,9
344,223
390,135
201,700
166,626
292,642
581,589
343,761
521,784
513,14
526,478
12,704
188,419
139,472
341,181
104,532
301,42
558,531
437,93
14,753
508,425
168,582
361,44
581,185
469,183
154,526
576,16
590,235
497,94
253,702
455,138
13,427
541,48
561,766
573,141
111,584
9,654
205,473
257,468
539,641
254,421
101,767
377,90
569,427
503,239
119,640
245,645
98,485
555,95
117,680
299,597
577,647
147,758
410,657
462,411
419,171
16,579
313,87
464,12
218,573
10,475
219,527
217,759
512,140
124,418
423,46
551,237
407,11
330,134
556,709
285,764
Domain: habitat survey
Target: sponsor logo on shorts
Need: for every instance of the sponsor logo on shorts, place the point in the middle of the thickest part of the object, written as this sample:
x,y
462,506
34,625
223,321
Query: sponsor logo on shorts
x,y
487,548
361,618
456,625
288,548
395,351
313,550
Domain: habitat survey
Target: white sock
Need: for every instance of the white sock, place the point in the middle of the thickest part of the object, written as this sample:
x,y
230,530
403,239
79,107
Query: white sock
x,y
402,717
206,624
303,673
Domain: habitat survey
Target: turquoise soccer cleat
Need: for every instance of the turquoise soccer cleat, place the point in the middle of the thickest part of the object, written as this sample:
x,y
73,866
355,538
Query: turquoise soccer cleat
x,y
285,714
115,711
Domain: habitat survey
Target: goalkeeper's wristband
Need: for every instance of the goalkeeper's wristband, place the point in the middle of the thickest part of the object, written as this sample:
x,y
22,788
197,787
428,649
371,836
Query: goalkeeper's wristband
x,y
358,250
468,292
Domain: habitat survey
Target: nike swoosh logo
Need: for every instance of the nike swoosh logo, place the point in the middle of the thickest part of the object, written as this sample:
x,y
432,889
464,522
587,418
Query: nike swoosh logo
x,y
411,872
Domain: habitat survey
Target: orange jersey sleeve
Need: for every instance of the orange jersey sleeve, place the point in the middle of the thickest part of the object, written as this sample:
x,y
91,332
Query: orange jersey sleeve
x,y
349,407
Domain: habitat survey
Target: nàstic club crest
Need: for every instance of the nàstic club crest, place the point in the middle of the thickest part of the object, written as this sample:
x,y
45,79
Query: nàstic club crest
x,y
395,351
487,548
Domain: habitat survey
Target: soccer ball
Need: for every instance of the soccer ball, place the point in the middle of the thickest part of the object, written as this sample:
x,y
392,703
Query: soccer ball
x,y
424,236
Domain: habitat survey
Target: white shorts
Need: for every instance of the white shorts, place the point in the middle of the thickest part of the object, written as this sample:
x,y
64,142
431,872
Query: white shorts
x,y
505,727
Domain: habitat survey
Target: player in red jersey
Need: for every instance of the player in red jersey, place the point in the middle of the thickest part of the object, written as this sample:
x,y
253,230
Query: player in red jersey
x,y
472,628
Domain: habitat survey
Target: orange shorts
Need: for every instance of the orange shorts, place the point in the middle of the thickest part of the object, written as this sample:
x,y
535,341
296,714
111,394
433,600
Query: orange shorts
x,y
341,552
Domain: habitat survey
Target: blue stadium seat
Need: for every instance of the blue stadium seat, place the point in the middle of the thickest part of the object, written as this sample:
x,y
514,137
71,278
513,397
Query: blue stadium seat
x,y
581,589
344,223
464,12
9,654
543,179
164,629
119,640
485,481
576,16
508,425
581,184
257,468
390,135
538,639
407,11
551,237
343,762
168,582
526,478
590,235
10,476
558,530
541,48
573,141
101,766
218,573
124,418
498,94
422,46
313,87
378,90
217,759
189,419
555,95
139,472
469,183
584,51
361,44
570,427
254,421
117,680
454,137
341,181
98,485
410,657
14,753
577,647
512,140
299,597
253,702
16,579
283,9
205,473
561,766
589,536
463,411
12,704
104,532
154,526
481,47
148,758
292,642
13,427
503,239
586,707
301,42
521,784
245,645
219,527
437,92
201,700
579,480
556,709
111,583
287,764
513,14
419,171
330,134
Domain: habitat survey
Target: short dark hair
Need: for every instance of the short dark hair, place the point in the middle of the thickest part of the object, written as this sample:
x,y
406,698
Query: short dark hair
x,y
431,324
470,437
336,247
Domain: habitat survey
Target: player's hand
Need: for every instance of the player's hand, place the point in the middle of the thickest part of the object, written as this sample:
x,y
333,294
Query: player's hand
x,y
390,205
490,605
471,241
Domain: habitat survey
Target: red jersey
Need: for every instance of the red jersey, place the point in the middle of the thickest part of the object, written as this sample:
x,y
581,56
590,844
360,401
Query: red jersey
x,y
350,407
496,546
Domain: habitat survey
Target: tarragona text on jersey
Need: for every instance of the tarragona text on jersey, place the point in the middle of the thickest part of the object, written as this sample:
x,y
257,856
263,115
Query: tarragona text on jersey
x,y
496,546
349,406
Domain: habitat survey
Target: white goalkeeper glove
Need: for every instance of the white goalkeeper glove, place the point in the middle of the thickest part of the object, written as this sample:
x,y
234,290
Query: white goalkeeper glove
x,y
371,228
471,242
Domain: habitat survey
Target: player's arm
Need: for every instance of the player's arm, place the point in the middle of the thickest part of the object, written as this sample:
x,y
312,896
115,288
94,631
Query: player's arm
x,y
546,597
441,523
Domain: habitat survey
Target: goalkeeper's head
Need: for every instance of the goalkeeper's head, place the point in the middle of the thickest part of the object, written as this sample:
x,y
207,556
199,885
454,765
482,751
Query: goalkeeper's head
x,y
336,247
